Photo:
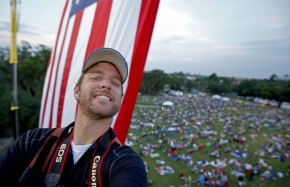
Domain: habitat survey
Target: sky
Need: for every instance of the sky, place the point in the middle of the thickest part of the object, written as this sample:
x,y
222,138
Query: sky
x,y
242,38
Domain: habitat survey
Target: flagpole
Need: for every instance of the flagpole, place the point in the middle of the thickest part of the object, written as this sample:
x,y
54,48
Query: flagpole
x,y
13,60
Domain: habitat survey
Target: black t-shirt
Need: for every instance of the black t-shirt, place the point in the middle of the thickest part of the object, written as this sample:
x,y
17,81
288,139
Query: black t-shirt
x,y
122,166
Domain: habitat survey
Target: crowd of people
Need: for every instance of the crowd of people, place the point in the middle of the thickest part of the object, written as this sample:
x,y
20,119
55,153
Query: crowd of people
x,y
236,139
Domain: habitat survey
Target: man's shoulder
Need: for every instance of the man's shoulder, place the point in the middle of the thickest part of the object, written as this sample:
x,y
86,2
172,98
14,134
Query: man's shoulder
x,y
123,149
34,137
40,130
38,133
125,162
122,153
117,147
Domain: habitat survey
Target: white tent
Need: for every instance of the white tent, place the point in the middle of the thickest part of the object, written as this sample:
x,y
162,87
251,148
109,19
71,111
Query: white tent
x,y
167,103
285,105
225,99
216,97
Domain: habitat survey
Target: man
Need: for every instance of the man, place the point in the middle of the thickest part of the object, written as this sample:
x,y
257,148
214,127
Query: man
x,y
86,152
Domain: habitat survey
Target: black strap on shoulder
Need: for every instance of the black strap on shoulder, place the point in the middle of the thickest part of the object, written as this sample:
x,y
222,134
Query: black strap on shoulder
x,y
35,172
49,144
42,160
113,144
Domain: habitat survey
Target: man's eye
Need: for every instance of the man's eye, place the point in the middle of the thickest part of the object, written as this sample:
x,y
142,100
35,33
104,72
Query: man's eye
x,y
116,84
96,78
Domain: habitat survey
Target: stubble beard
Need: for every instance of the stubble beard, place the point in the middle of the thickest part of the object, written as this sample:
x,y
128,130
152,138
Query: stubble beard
x,y
96,112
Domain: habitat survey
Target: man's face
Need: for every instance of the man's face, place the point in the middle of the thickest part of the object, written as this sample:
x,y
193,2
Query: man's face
x,y
100,93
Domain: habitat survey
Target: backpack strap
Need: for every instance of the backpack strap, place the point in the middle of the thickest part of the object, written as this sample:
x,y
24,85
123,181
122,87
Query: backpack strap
x,y
116,139
41,160
53,135
114,144
34,173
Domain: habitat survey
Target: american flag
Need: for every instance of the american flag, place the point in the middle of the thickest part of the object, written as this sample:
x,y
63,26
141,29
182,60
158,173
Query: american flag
x,y
85,25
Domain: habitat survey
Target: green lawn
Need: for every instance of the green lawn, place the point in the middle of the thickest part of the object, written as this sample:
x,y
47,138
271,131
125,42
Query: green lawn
x,y
233,113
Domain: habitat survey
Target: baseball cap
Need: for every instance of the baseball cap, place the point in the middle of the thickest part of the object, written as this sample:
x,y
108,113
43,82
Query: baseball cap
x,y
108,55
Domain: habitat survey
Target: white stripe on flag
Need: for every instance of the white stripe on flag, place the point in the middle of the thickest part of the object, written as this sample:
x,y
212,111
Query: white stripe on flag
x,y
77,63
48,88
122,30
130,25
61,62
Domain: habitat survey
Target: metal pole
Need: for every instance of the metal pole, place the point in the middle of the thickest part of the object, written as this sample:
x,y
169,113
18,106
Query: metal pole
x,y
13,60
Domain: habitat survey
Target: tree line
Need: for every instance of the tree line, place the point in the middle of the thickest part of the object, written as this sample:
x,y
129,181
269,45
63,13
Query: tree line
x,y
275,88
33,61
31,70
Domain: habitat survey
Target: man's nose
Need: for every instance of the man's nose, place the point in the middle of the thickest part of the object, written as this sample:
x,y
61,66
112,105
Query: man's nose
x,y
105,83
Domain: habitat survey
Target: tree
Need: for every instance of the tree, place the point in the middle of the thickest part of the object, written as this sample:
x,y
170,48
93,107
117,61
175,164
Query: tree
x,y
31,73
6,122
213,78
153,82
177,81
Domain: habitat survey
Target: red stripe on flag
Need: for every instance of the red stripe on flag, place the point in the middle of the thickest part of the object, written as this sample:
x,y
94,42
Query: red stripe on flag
x,y
67,67
52,63
142,42
56,79
100,25
56,76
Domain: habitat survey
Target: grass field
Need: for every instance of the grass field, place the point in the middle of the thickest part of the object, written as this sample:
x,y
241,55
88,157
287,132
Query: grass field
x,y
235,118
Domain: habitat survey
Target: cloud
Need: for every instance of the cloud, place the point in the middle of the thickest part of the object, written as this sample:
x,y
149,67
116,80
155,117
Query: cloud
x,y
283,42
30,29
173,22
243,38
4,25
31,33
4,33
